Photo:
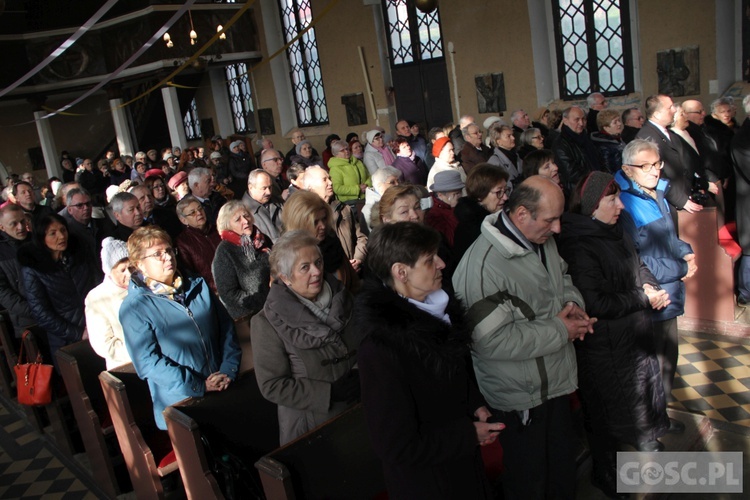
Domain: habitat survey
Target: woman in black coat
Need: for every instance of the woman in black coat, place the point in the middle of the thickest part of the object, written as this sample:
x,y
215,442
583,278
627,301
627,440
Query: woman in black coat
x,y
57,273
424,412
618,372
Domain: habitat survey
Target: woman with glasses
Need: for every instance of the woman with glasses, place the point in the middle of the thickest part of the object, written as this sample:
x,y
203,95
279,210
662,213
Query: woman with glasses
x,y
198,241
377,154
531,140
58,272
158,187
179,336
671,260
486,193
240,266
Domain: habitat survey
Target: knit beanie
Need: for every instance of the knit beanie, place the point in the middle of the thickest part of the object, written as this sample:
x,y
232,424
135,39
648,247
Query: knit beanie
x,y
439,145
593,190
113,251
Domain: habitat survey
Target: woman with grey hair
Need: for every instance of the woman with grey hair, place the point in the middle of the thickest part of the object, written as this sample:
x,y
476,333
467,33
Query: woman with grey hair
x,y
240,267
305,154
531,140
382,179
198,241
304,348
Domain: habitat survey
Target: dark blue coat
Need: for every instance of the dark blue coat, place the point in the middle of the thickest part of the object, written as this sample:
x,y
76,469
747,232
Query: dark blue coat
x,y
650,225
175,347
56,291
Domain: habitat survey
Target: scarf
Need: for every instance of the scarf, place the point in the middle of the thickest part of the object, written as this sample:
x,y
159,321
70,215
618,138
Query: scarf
x,y
387,155
172,292
251,244
434,304
321,306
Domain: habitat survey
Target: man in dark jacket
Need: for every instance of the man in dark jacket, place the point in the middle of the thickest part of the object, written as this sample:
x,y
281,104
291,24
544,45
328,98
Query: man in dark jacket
x,y
127,212
660,112
575,154
474,151
92,180
201,184
740,149
240,165
165,218
12,295
260,202
90,231
23,194
633,120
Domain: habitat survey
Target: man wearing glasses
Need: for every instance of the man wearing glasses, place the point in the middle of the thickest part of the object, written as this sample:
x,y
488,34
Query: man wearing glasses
x,y
271,162
78,213
660,112
648,220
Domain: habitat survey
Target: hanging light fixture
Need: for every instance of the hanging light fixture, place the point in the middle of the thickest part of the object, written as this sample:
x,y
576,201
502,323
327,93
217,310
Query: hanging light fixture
x,y
168,40
222,36
193,34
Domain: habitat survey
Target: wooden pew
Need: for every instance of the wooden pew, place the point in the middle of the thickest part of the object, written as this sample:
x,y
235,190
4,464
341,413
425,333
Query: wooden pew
x,y
334,461
80,367
145,447
238,421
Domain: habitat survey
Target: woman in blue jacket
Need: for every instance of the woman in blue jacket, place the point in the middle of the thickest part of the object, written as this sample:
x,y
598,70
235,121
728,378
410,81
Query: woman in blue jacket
x,y
670,259
179,336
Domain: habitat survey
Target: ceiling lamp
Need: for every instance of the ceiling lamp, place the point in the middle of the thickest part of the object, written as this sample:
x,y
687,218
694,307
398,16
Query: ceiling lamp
x,y
193,34
168,40
222,35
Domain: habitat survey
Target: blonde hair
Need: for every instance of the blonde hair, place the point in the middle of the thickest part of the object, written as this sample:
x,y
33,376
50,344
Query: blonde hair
x,y
227,211
144,238
300,209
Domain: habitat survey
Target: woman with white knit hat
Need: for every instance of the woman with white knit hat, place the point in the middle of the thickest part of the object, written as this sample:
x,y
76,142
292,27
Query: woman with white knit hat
x,y
103,305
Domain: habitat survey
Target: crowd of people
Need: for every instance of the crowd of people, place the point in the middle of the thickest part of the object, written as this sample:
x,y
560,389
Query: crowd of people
x,y
461,285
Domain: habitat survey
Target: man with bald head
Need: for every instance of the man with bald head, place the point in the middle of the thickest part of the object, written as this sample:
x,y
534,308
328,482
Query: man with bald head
x,y
14,232
457,137
272,163
632,119
596,102
575,154
266,209
526,314
707,148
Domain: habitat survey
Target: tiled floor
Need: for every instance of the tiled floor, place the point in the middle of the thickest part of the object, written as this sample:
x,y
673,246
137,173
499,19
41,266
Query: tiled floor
x,y
713,377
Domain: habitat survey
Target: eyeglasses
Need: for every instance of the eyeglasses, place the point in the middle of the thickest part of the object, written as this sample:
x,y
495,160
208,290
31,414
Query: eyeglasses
x,y
277,160
86,204
190,214
701,112
500,192
172,252
647,167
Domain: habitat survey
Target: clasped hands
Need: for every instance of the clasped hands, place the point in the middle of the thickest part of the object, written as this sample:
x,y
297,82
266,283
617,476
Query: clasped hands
x,y
659,299
487,432
577,322
217,382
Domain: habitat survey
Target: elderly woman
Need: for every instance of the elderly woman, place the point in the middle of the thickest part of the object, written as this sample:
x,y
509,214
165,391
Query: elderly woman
x,y
486,193
608,141
531,140
197,243
542,163
349,175
356,149
442,150
425,415
103,305
138,173
307,211
57,273
240,267
411,166
178,334
377,154
504,155
304,348
446,191
382,179
398,204
305,156
618,373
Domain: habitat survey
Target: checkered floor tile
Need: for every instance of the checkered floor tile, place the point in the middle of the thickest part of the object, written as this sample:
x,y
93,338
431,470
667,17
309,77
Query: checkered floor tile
x,y
713,377
28,469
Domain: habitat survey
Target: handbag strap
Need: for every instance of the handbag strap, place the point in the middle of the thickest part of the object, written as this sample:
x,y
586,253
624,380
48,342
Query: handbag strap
x,y
20,352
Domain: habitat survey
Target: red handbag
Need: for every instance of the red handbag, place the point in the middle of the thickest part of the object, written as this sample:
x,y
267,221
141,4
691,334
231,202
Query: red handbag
x,y
33,380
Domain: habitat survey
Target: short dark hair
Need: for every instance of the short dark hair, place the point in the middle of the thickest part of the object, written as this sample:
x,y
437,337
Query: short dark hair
x,y
653,104
626,114
523,195
403,242
482,178
330,139
535,160
14,189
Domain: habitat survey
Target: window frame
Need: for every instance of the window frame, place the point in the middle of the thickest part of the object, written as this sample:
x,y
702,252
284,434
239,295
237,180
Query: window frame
x,y
248,115
593,58
413,18
191,121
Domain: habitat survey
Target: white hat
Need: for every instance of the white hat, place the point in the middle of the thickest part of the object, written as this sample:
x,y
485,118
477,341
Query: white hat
x,y
113,251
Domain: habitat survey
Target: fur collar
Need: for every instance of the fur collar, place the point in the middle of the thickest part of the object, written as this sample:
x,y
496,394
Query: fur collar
x,y
392,322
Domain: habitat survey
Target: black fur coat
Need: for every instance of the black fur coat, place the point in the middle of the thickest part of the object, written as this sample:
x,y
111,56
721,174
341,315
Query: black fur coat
x,y
419,397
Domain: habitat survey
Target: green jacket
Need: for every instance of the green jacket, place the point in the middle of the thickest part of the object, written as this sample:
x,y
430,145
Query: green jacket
x,y
346,176
521,353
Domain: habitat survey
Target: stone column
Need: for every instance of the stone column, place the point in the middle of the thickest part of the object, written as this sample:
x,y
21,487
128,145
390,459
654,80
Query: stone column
x,y
47,141
125,143
224,118
174,117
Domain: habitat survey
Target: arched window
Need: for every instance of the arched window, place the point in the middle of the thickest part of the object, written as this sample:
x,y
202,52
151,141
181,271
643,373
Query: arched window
x,y
304,63
592,38
240,98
